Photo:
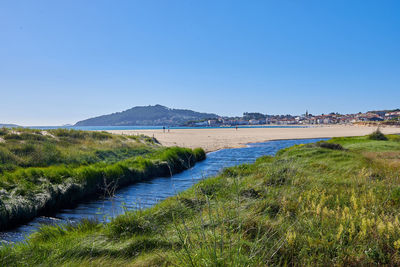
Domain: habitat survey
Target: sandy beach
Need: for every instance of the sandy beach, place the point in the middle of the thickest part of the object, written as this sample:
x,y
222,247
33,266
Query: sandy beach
x,y
215,139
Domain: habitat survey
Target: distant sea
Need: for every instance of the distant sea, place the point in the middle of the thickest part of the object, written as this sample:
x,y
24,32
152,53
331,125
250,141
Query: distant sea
x,y
108,128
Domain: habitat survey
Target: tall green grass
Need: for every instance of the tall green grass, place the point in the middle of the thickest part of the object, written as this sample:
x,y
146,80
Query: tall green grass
x,y
315,205
43,172
23,147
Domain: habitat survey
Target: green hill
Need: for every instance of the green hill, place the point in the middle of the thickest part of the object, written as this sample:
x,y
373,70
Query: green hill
x,y
147,115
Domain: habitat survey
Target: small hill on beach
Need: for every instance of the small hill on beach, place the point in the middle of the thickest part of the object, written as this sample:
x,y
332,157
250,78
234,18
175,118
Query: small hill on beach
x,y
147,115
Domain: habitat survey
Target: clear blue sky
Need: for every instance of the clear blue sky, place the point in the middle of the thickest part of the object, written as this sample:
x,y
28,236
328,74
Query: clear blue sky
x,y
63,61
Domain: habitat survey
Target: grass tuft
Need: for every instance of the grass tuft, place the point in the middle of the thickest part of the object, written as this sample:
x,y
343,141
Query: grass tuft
x,y
377,135
330,145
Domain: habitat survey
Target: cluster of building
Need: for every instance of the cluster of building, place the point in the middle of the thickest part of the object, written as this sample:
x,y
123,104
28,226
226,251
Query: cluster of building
x,y
305,119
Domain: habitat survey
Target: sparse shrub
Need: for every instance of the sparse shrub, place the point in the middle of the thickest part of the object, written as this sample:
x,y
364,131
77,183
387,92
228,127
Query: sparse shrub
x,y
378,135
332,146
3,131
12,136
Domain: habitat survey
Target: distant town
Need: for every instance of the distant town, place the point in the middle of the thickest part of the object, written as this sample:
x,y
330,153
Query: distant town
x,y
385,117
159,115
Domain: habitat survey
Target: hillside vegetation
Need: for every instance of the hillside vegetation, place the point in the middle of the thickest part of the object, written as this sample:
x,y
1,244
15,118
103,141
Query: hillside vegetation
x,y
43,171
329,203
147,115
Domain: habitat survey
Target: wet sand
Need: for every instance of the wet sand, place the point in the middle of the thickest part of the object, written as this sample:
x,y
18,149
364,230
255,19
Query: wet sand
x,y
215,139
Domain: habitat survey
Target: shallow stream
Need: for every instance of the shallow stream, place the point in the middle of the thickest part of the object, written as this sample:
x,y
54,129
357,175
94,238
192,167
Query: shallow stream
x,y
145,194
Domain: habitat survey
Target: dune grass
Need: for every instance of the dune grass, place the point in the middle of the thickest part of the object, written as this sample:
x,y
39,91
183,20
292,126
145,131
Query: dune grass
x,y
314,204
41,172
22,147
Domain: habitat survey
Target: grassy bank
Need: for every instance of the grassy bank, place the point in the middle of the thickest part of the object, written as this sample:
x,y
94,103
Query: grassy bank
x,y
21,147
331,203
41,172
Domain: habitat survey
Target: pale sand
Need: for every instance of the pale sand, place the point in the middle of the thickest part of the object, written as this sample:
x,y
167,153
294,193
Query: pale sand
x,y
215,139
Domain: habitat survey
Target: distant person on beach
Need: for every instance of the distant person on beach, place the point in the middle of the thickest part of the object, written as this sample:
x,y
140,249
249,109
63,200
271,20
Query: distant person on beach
x,y
168,128
163,128
236,128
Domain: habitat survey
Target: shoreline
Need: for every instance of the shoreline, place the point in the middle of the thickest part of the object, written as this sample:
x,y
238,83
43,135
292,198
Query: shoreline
x,y
215,139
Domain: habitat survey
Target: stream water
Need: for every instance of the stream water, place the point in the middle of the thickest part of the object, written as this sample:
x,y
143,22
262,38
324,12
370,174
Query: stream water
x,y
146,194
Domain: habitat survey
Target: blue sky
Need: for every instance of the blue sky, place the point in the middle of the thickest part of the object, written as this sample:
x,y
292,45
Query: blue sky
x,y
63,61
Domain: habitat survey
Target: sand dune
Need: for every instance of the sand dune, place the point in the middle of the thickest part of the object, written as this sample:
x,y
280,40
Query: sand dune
x,y
214,139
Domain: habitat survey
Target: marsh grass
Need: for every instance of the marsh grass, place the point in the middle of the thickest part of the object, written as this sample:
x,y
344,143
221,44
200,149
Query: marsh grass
x,y
309,205
24,148
41,172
